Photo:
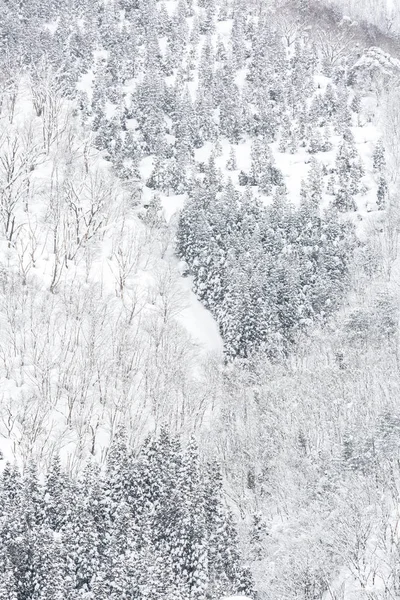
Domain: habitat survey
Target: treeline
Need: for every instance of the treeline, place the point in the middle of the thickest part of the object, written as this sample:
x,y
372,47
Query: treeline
x,y
151,526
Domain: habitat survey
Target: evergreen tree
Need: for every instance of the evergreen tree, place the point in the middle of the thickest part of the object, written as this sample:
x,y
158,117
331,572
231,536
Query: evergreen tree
x,y
256,536
350,171
117,473
8,584
231,164
153,217
382,193
316,141
315,182
378,157
56,501
356,104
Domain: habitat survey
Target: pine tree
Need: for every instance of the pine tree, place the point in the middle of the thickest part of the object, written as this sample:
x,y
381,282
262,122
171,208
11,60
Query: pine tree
x,y
330,103
117,473
231,164
116,552
378,157
163,21
331,187
315,182
285,134
160,178
260,161
350,171
8,581
153,217
82,546
207,129
343,114
185,128
344,200
327,143
256,536
55,497
149,100
32,497
356,104
382,193
50,567
246,583
316,143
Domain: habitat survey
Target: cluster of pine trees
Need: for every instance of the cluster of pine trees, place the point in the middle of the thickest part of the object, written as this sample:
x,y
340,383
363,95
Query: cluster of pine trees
x,y
166,83
266,273
150,526
169,103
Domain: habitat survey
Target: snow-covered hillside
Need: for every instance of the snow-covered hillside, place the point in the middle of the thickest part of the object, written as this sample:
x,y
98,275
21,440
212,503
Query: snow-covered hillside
x,y
88,251
199,235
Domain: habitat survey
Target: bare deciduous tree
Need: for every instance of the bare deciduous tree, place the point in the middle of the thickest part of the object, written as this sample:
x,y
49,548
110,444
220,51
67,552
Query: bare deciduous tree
x,y
19,155
335,43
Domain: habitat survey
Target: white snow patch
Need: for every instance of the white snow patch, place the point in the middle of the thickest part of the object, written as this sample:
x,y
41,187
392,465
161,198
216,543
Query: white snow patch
x,y
199,322
171,205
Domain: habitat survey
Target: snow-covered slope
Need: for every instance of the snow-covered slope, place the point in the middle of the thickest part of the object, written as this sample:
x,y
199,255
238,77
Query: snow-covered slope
x,y
257,129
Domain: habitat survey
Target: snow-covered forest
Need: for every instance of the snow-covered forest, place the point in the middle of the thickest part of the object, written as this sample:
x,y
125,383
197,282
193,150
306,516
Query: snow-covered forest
x,y
152,526
199,299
